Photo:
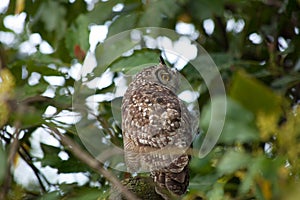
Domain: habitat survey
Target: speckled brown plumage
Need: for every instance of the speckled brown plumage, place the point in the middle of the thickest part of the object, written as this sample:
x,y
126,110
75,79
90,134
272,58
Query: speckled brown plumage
x,y
157,129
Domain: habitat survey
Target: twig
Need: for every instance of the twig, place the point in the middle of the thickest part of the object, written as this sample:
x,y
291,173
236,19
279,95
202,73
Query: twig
x,y
93,163
28,159
35,99
222,27
105,125
11,155
39,99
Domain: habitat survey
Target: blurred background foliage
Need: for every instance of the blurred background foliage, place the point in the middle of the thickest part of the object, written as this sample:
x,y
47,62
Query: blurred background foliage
x,y
255,45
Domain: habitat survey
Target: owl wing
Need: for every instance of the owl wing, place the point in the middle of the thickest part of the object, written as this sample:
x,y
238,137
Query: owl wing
x,y
153,118
150,118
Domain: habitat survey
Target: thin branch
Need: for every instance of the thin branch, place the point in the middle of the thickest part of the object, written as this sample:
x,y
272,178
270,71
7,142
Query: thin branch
x,y
3,138
105,125
41,99
92,163
35,99
11,155
222,27
27,158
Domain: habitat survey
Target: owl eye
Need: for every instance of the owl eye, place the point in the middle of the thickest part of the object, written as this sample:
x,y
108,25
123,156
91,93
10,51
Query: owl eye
x,y
165,77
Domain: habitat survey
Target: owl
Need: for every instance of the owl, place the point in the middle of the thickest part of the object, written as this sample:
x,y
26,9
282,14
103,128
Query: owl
x,y
157,129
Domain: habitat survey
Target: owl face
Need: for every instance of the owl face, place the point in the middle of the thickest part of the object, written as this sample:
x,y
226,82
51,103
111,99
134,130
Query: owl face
x,y
159,74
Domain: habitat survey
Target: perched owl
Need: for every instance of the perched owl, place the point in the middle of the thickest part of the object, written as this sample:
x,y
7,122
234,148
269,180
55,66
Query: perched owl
x,y
157,129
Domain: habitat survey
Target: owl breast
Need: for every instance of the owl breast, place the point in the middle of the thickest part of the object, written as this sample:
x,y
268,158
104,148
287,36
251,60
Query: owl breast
x,y
153,114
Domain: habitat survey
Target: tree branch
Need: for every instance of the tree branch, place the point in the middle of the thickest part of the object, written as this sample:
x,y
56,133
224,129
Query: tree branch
x,y
11,155
27,158
92,163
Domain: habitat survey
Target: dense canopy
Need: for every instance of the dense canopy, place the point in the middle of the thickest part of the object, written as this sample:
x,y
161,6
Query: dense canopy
x,y
47,85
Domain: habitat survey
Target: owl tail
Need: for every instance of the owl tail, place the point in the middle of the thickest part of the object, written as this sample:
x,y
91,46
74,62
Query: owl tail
x,y
172,181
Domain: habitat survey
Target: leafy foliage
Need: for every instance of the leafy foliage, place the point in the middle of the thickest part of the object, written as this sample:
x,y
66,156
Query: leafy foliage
x,y
255,45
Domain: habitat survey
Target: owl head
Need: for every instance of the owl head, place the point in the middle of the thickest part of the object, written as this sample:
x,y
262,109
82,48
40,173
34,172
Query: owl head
x,y
160,74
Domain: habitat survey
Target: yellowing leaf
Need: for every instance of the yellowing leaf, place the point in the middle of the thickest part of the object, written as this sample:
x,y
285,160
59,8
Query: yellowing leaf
x,y
3,159
20,5
4,111
288,138
7,84
16,160
266,188
267,124
254,95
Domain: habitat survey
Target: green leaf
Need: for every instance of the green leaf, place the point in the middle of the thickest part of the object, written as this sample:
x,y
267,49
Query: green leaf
x,y
78,34
253,95
50,155
29,116
261,166
123,23
237,132
202,165
44,59
239,123
222,60
203,183
30,91
52,159
42,69
232,161
102,11
62,102
135,63
3,161
116,110
157,11
217,193
85,193
286,81
53,15
112,49
203,9
50,196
